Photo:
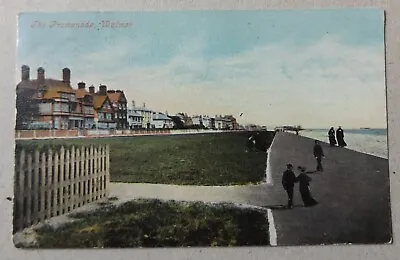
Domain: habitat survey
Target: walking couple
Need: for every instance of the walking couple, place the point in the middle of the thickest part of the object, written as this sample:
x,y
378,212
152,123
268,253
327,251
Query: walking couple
x,y
288,181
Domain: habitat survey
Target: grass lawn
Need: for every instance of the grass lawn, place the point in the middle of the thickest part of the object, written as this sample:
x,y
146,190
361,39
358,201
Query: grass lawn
x,y
134,224
202,159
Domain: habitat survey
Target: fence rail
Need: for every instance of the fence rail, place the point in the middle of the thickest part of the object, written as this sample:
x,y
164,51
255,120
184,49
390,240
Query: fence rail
x,y
48,184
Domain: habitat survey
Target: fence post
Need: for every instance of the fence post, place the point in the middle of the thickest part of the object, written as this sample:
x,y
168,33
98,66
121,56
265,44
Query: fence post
x,y
101,178
64,175
95,174
107,173
73,179
49,183
86,173
62,180
43,188
78,177
67,184
91,172
36,186
82,176
58,184
21,191
28,190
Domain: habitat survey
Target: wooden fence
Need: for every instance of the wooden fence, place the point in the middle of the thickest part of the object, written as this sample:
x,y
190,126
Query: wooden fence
x,y
49,184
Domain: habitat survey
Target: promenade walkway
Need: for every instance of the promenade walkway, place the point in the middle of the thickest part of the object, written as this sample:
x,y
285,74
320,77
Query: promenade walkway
x,y
353,192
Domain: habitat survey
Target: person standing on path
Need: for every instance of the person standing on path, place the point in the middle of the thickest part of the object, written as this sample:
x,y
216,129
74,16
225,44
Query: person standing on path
x,y
318,154
304,188
332,138
288,181
340,137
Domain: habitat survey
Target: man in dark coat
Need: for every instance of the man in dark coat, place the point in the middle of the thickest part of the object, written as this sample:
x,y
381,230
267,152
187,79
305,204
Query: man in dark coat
x,y
288,181
318,154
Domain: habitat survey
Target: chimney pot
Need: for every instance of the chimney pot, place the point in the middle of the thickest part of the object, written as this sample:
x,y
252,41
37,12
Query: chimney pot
x,y
91,89
103,90
40,75
81,85
66,73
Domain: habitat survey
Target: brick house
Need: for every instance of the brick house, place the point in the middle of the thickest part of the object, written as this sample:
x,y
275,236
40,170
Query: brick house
x,y
49,103
104,111
119,104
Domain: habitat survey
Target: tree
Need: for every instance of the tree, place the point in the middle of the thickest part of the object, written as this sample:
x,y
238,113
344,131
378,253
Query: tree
x,y
27,108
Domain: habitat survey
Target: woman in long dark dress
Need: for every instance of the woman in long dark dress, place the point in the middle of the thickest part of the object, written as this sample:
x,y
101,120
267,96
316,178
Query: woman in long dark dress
x,y
332,138
304,183
340,137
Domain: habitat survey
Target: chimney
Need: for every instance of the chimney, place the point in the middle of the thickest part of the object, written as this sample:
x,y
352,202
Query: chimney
x,y
81,85
25,71
66,74
91,89
133,103
103,90
40,75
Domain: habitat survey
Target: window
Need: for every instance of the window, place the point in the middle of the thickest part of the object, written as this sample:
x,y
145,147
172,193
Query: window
x,y
56,107
65,108
108,116
45,107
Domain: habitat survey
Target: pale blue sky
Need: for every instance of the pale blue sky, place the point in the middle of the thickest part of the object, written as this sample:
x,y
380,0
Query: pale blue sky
x,y
315,68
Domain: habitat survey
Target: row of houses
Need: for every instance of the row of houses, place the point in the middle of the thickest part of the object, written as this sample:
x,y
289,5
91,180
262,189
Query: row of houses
x,y
143,117
55,104
46,103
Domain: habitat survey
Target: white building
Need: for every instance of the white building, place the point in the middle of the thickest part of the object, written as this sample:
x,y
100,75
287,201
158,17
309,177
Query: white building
x,y
202,120
142,115
221,122
135,119
161,120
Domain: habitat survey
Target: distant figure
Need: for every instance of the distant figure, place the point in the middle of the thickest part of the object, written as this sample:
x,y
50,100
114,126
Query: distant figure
x,y
304,183
251,141
318,154
288,181
332,138
340,137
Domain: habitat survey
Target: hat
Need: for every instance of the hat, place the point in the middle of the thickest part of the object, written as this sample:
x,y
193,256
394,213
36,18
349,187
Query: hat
x,y
301,168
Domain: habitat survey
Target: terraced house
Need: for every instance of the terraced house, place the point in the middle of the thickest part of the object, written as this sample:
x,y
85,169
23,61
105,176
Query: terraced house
x,y
119,104
104,111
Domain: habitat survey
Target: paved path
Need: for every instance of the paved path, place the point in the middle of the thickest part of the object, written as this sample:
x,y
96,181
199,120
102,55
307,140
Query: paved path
x,y
353,192
255,194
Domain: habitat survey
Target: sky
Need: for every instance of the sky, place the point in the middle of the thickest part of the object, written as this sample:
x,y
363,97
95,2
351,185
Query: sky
x,y
315,68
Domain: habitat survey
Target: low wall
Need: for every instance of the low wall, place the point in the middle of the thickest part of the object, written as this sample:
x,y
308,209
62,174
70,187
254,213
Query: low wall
x,y
51,134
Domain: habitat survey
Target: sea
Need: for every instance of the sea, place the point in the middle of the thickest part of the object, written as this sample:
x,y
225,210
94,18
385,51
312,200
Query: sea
x,y
370,141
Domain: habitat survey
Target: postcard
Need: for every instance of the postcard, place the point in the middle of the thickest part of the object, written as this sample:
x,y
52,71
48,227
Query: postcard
x,y
201,129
